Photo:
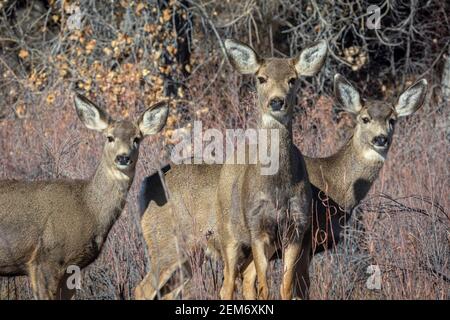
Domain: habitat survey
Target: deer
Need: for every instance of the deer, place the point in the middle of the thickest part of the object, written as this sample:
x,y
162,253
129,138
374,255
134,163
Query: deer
x,y
183,199
253,209
47,226
341,181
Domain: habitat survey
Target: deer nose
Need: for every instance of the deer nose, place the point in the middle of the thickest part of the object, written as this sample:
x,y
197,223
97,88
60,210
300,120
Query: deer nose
x,y
380,141
276,104
123,160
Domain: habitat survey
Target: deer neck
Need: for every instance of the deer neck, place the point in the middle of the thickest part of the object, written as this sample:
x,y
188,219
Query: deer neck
x,y
106,194
356,174
279,135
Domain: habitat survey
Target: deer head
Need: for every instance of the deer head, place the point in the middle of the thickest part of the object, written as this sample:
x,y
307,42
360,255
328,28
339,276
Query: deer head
x,y
375,119
123,137
276,78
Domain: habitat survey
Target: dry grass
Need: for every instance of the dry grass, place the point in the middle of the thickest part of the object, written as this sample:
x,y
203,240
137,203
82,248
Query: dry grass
x,y
411,247
41,137
407,238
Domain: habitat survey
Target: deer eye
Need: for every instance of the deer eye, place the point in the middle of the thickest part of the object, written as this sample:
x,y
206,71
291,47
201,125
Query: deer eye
x,y
136,141
392,121
262,80
292,81
365,120
110,139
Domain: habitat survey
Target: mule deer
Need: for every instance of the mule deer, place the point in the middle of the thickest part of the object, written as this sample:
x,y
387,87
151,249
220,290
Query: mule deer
x,y
176,225
174,228
47,226
339,182
254,209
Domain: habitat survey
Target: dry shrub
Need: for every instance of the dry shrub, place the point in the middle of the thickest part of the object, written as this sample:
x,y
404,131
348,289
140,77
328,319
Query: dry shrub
x,y
406,245
55,144
404,222
114,59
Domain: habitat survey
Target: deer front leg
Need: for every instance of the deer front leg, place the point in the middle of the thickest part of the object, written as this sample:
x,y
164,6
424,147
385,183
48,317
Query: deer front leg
x,y
248,282
302,276
64,293
230,256
44,281
290,255
249,278
145,290
35,281
260,258
155,280
302,269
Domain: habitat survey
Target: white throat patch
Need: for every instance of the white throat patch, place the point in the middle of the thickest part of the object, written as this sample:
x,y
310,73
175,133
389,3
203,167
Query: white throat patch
x,y
372,155
268,120
118,175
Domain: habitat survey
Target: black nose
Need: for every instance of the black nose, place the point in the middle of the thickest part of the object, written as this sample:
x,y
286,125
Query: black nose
x,y
380,141
123,160
276,104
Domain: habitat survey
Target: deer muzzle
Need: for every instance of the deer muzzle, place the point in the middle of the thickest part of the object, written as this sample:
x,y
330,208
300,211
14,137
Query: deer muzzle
x,y
276,104
123,160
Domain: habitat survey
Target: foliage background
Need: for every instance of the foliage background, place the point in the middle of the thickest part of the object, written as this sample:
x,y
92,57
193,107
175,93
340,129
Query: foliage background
x,y
126,55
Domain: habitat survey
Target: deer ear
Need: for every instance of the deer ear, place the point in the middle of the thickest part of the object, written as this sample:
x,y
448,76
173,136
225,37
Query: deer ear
x,y
347,96
90,114
311,59
243,58
412,98
154,118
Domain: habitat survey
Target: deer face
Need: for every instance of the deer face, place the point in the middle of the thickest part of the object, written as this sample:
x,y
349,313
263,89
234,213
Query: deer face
x,y
122,137
122,144
375,120
276,78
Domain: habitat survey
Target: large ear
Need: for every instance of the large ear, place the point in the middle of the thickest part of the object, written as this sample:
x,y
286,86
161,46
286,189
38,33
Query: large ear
x,y
311,59
412,99
154,118
91,115
347,96
243,58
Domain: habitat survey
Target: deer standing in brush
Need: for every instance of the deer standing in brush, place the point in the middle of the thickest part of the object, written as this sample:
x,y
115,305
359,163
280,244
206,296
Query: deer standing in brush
x,y
174,227
47,226
339,182
259,212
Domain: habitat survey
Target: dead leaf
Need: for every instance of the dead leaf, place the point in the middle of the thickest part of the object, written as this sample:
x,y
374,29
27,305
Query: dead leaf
x,y
23,54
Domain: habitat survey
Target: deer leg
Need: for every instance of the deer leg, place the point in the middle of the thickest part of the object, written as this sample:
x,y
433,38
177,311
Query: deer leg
x,y
146,290
260,258
44,281
64,293
302,275
302,270
249,278
290,256
175,293
34,282
230,256
248,282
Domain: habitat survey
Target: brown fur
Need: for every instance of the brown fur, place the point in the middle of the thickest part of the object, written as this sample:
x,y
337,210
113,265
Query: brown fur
x,y
337,190
47,226
339,182
261,212
253,210
174,229
189,217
